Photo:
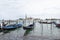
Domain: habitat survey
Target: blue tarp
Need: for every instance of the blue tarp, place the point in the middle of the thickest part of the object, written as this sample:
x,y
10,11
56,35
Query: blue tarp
x,y
12,26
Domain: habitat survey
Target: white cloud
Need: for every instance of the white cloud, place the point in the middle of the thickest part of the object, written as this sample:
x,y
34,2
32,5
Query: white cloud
x,y
12,9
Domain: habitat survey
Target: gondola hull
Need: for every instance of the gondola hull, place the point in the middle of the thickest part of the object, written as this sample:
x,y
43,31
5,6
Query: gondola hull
x,y
27,28
30,26
58,25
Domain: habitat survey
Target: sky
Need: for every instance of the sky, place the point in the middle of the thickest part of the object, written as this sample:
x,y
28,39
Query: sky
x,y
14,9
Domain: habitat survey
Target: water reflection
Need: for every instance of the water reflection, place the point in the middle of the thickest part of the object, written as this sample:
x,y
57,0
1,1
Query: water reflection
x,y
7,31
27,32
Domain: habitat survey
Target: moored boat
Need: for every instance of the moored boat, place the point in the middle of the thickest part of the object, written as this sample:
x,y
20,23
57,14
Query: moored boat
x,y
45,22
31,26
57,24
13,26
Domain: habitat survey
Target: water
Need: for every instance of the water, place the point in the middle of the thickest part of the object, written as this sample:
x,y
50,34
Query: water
x,y
39,32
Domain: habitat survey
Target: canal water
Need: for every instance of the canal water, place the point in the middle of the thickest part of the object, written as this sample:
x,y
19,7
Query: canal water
x,y
39,32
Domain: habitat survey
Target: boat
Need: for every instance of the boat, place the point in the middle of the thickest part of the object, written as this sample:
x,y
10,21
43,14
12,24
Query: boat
x,y
57,24
31,26
18,25
45,22
12,26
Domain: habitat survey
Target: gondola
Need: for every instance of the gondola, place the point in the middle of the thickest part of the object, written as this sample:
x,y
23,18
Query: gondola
x,y
31,26
45,22
12,26
57,25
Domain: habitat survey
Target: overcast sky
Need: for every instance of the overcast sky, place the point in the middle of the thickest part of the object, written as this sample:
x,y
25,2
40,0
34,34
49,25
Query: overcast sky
x,y
14,9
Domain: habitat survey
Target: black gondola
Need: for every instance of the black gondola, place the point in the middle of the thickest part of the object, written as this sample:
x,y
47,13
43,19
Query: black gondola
x,y
57,25
31,26
45,22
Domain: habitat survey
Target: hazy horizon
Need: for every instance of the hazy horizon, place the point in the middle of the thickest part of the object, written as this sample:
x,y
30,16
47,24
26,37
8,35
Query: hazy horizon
x,y
14,9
